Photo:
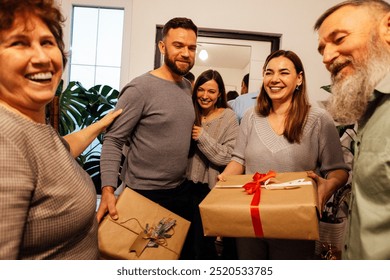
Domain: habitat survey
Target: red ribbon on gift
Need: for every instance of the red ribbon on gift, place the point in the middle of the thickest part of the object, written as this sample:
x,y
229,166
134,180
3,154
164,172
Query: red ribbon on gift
x,y
254,187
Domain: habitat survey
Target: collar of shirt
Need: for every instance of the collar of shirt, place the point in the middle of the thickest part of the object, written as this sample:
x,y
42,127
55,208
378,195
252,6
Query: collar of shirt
x,y
384,85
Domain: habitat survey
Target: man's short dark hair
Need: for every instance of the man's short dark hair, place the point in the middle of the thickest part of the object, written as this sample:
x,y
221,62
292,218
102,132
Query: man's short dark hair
x,y
179,22
246,80
231,95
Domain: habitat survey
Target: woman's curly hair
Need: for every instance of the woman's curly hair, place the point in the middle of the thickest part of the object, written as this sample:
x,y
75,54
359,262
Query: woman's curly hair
x,y
46,10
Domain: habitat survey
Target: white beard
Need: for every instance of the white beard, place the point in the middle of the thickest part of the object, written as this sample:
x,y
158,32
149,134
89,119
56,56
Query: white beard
x,y
351,94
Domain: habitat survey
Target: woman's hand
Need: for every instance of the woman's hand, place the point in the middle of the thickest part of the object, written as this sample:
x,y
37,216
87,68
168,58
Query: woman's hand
x,y
326,187
321,187
196,132
78,141
233,168
108,119
221,177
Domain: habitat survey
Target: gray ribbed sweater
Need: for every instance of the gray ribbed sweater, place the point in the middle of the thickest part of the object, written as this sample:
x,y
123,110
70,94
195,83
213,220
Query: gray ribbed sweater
x,y
157,117
260,149
213,149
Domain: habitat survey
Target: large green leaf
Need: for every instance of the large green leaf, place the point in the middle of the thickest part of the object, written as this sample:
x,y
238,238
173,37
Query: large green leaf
x,y
80,108
101,100
72,103
327,88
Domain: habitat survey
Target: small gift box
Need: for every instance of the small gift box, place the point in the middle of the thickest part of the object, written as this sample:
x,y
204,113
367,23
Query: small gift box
x,y
144,230
286,210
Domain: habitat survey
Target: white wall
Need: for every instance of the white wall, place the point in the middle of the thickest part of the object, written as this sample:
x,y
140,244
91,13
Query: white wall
x,y
294,19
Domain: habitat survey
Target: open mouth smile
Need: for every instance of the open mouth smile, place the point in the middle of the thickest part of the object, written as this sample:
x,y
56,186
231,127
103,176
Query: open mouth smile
x,y
40,77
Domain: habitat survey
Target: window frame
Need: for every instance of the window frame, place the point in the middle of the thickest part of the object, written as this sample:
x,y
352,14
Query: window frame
x,y
126,5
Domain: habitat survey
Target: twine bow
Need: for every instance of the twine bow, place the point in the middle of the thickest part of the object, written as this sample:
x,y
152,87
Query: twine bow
x,y
150,236
157,235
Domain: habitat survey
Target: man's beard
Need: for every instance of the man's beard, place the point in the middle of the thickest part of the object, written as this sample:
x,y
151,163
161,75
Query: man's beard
x,y
351,94
172,65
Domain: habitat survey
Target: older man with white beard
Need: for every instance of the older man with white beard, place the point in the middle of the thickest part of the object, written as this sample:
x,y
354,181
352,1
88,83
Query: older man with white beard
x,y
354,40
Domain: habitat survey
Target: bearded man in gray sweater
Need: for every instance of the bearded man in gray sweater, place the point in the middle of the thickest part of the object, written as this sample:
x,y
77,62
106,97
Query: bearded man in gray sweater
x,y
156,121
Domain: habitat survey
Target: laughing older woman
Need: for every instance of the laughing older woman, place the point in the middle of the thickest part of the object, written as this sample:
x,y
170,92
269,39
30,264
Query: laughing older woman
x,y
47,201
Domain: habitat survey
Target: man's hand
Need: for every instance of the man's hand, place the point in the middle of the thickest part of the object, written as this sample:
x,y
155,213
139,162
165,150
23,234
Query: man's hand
x,y
107,203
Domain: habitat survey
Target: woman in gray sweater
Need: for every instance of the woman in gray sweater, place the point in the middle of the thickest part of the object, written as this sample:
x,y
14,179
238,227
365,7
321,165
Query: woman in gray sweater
x,y
214,136
285,134
47,201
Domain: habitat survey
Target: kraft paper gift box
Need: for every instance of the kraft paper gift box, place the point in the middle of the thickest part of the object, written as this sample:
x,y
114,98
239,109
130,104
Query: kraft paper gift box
x,y
286,213
136,213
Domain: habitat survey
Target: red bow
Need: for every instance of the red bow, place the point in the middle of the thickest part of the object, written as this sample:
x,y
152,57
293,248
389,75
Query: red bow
x,y
258,179
254,187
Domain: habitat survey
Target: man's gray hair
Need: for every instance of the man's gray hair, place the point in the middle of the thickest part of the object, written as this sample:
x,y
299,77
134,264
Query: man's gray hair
x,y
379,5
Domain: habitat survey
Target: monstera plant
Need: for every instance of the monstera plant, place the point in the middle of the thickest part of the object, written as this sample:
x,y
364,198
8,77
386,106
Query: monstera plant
x,y
79,107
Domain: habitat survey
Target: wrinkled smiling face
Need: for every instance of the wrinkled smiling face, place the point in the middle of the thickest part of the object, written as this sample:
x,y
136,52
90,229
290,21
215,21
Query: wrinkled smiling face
x,y
30,65
355,55
343,38
179,49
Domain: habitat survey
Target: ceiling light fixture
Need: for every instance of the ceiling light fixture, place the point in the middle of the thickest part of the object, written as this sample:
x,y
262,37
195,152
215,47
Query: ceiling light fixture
x,y
203,55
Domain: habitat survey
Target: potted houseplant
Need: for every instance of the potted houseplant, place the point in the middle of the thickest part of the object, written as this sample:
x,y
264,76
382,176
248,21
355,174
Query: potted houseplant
x,y
75,108
333,222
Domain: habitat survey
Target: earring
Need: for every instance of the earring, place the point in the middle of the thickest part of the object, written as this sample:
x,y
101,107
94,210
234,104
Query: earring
x,y
297,87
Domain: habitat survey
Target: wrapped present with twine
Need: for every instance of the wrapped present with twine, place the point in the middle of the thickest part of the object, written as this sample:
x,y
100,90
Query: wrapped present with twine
x,y
144,230
272,205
